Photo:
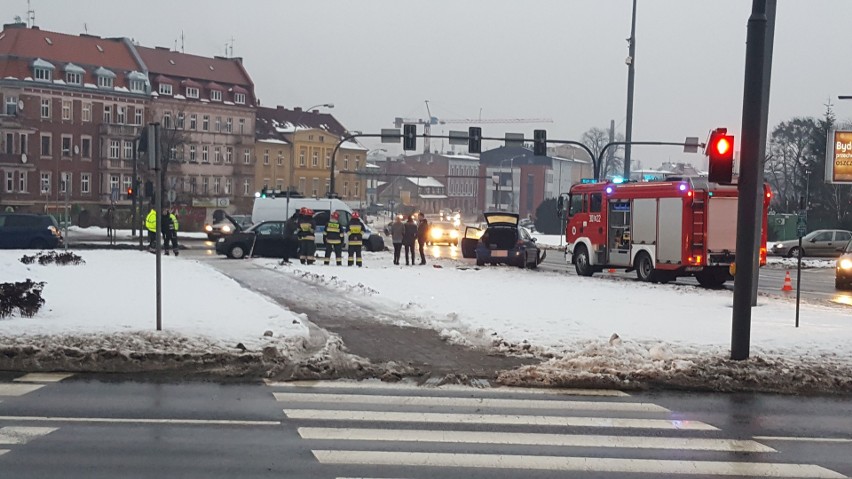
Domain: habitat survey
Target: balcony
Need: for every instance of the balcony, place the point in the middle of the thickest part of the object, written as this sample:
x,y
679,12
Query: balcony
x,y
121,131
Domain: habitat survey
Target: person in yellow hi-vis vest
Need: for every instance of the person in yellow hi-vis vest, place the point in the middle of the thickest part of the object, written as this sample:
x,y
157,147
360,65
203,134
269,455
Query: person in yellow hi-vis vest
x,y
333,240
151,226
356,236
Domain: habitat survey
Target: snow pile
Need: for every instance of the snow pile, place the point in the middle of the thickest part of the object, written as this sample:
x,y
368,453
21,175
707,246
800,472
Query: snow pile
x,y
792,263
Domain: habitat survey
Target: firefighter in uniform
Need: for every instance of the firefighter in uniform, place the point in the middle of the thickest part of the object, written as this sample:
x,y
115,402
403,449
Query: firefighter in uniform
x,y
356,235
333,243
307,246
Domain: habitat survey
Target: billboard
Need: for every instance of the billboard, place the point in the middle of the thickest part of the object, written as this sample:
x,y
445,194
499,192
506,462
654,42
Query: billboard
x,y
838,162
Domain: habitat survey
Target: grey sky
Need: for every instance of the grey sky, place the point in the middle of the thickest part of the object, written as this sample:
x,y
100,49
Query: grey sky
x,y
379,59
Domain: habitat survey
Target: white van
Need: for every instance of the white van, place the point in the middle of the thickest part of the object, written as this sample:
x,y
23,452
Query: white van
x,y
276,209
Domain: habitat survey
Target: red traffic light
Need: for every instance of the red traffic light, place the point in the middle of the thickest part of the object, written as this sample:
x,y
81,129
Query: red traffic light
x,y
129,191
720,150
722,145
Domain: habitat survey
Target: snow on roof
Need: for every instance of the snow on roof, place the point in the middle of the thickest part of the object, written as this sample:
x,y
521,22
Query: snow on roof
x,y
272,140
351,145
433,197
460,156
573,160
427,182
370,165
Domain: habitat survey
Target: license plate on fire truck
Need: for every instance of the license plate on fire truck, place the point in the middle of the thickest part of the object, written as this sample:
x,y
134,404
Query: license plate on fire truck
x,y
500,254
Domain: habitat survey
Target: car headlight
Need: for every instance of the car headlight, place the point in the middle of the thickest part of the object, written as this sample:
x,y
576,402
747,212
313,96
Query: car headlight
x,y
436,233
845,263
226,229
777,246
454,234
208,228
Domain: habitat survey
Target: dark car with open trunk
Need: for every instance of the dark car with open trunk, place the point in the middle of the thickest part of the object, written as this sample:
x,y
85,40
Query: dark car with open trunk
x,y
502,241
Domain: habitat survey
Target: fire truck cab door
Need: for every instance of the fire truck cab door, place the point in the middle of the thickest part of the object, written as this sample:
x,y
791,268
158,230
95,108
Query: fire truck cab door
x,y
618,233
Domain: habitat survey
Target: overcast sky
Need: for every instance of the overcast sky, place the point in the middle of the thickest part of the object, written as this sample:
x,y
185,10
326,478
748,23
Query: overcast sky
x,y
560,59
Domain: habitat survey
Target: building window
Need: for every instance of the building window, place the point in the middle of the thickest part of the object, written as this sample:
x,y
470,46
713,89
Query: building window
x,y
66,145
240,98
191,153
217,155
87,112
10,143
65,182
227,186
266,157
66,110
22,181
165,89
45,107
193,122
322,139
246,186
137,113
114,181
327,186
114,147
128,150
137,85
192,185
247,156
346,189
242,126
10,181
120,115
107,114
46,146
24,139
86,147
11,105
315,158
167,120
205,157
315,187
280,158
179,123
215,95
127,182
85,181
327,158
218,124
357,163
45,183
229,125
43,74
205,123
205,183
105,81
191,92
346,163
73,78
216,182
302,152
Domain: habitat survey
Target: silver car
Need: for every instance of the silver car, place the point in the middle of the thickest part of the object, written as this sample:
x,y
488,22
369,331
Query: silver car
x,y
815,243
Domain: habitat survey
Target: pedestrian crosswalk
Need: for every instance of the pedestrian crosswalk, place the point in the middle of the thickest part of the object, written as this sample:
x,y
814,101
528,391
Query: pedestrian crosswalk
x,y
403,431
11,436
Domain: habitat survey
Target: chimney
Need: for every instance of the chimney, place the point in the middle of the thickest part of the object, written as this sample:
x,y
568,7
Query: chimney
x,y
35,27
7,26
297,108
314,111
279,107
162,48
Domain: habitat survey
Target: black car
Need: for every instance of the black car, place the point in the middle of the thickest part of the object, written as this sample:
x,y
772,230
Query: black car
x,y
502,241
262,239
228,225
843,276
29,231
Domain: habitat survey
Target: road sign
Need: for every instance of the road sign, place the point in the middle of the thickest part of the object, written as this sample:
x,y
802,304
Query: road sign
x,y
171,196
114,195
801,229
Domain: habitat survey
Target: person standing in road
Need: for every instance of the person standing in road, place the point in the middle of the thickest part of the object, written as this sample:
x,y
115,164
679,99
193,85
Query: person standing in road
x,y
397,229
174,227
422,237
291,243
307,227
333,240
356,239
409,235
151,226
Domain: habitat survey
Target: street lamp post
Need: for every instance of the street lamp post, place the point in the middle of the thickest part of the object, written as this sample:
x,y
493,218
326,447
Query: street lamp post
x,y
631,61
293,149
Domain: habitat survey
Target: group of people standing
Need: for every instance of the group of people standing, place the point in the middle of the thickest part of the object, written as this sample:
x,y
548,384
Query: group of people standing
x,y
301,230
404,235
168,228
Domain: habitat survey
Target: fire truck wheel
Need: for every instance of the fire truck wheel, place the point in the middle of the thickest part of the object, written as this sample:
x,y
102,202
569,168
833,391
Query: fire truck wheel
x,y
645,268
581,262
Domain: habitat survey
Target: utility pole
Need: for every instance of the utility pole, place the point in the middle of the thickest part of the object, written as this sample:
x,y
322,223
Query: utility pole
x,y
631,61
154,164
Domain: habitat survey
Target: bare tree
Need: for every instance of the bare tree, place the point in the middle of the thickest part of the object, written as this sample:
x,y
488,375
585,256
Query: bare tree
x,y
612,163
786,166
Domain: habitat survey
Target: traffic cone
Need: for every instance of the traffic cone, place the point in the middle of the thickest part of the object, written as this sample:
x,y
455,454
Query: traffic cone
x,y
611,270
788,283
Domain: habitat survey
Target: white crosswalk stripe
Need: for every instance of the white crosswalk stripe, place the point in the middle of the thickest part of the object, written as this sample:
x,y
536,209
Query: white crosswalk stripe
x,y
22,435
7,389
400,419
407,386
42,377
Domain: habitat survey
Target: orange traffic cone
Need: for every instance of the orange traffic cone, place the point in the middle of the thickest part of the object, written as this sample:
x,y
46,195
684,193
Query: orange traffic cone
x,y
611,270
788,283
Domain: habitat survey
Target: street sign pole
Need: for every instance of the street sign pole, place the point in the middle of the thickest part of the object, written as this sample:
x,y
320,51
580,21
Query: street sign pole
x,y
801,229
154,164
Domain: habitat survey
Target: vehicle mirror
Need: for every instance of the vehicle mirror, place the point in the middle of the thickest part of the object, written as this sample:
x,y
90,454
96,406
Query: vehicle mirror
x,y
560,204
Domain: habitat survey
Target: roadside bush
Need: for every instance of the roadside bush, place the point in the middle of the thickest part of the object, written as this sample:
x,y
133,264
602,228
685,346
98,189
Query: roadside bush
x,y
24,296
52,257
547,220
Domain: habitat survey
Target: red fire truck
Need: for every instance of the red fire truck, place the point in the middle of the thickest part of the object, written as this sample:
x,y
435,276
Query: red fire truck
x,y
665,229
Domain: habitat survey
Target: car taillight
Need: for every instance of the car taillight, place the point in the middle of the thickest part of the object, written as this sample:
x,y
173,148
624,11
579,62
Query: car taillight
x,y
762,256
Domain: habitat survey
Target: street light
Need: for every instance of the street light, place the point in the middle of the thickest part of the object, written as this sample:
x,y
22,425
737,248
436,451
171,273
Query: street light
x,y
293,149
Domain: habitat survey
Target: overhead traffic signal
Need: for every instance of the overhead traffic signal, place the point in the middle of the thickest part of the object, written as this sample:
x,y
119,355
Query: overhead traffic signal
x,y
720,150
540,142
409,137
474,139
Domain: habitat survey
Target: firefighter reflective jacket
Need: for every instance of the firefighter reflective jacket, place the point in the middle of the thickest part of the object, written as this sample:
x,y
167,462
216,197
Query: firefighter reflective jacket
x,y
306,228
332,232
151,220
356,233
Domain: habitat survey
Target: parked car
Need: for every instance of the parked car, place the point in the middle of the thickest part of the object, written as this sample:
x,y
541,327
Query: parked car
x,y
843,276
528,224
227,226
443,232
29,231
815,243
502,241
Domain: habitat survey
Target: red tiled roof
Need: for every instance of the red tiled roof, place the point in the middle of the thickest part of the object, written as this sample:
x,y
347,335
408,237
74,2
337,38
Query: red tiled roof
x,y
62,48
190,83
164,79
183,65
270,117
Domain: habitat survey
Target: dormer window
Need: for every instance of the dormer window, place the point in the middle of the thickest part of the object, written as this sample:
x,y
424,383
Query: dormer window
x,y
165,89
137,85
42,70
138,82
74,74
215,95
240,98
106,78
191,92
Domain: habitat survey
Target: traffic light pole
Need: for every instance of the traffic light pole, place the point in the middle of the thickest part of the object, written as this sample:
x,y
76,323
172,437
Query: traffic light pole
x,y
154,163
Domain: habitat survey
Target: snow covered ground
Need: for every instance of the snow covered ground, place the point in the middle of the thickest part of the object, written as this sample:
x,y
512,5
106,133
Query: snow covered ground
x,y
589,331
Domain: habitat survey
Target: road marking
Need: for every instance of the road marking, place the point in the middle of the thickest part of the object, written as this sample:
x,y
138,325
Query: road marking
x,y
3,451
369,384
533,439
18,389
569,463
43,377
222,422
428,417
804,439
21,435
466,402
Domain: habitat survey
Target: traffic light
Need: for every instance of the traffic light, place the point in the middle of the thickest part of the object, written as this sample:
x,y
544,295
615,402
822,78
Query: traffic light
x,y
409,137
263,192
720,150
540,142
474,139
129,192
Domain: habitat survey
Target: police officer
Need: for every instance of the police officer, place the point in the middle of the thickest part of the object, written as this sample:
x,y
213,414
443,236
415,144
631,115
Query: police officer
x,y
168,231
307,227
333,240
356,239
151,226
174,232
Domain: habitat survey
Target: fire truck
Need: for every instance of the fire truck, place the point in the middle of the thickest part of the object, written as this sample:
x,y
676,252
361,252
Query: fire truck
x,y
683,226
